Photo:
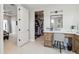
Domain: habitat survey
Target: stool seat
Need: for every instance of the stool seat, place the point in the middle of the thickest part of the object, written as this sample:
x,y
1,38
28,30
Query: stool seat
x,y
59,45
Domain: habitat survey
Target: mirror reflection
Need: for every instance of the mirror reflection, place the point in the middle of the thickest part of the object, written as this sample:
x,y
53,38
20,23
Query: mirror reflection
x,y
56,22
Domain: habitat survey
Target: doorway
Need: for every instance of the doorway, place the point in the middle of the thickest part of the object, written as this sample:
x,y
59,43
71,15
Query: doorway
x,y
9,27
39,22
15,22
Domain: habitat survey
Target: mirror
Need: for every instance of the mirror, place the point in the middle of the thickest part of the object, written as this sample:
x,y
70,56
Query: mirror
x,y
56,22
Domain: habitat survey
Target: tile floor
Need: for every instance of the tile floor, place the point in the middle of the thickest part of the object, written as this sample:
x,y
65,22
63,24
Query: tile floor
x,y
35,47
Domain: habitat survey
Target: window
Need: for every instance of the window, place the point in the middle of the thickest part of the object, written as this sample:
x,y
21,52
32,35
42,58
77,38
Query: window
x,y
5,25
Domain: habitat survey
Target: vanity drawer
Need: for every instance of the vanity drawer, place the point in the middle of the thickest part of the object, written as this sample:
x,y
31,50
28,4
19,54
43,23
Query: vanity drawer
x,y
48,36
48,43
69,35
77,37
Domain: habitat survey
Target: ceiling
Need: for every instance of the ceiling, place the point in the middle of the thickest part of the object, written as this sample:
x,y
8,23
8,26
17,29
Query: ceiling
x,y
10,9
37,5
47,5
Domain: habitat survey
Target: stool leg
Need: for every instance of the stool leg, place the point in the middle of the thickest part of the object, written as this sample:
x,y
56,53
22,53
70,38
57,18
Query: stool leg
x,y
57,44
60,47
54,44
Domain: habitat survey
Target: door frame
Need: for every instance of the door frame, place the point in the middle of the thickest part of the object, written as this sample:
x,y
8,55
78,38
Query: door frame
x,y
1,30
34,21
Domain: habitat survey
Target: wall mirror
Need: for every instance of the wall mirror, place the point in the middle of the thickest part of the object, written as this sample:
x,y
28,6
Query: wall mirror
x,y
56,22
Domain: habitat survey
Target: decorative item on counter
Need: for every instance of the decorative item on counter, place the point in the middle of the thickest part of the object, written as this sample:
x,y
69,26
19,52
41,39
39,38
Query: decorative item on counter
x,y
72,27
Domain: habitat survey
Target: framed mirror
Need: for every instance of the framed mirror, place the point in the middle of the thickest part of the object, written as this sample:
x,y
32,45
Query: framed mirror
x,y
56,22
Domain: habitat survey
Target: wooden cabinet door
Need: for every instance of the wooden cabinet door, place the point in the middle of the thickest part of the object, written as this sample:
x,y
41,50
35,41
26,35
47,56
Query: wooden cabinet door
x,y
48,43
77,45
48,39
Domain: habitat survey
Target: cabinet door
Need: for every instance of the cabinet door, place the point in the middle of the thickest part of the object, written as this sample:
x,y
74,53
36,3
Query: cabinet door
x,y
77,46
48,38
48,43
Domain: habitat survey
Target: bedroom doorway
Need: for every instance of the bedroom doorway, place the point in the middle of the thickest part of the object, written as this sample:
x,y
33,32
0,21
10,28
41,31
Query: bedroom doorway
x,y
9,27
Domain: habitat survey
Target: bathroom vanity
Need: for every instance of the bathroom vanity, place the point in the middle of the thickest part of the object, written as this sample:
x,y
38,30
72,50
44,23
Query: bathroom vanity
x,y
72,36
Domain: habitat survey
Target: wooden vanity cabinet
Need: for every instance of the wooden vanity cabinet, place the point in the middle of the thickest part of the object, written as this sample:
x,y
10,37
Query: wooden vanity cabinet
x,y
48,39
76,44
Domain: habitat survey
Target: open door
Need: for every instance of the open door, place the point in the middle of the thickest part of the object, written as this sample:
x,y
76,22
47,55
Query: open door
x,y
1,29
23,27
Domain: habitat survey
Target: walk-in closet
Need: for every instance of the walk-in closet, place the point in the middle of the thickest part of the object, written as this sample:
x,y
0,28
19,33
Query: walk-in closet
x,y
39,18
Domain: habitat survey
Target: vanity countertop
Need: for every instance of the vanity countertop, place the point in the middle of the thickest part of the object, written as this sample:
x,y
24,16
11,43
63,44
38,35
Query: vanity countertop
x,y
66,32
77,34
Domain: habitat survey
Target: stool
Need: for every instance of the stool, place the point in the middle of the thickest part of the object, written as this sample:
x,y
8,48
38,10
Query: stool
x,y
59,41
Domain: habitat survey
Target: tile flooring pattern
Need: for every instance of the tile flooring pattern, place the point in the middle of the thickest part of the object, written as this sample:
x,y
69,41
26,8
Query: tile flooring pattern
x,y
35,47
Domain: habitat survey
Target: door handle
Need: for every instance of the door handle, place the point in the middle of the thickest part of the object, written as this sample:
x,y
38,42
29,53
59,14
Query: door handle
x,y
16,22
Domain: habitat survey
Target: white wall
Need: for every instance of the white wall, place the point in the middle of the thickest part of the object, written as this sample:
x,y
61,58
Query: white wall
x,y
70,16
13,24
32,25
1,29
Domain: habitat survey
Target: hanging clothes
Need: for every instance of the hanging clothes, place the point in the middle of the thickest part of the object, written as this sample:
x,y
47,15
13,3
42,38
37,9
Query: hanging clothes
x,y
38,24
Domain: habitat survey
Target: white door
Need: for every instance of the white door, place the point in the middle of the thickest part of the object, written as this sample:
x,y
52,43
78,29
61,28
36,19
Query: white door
x,y
1,29
23,27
